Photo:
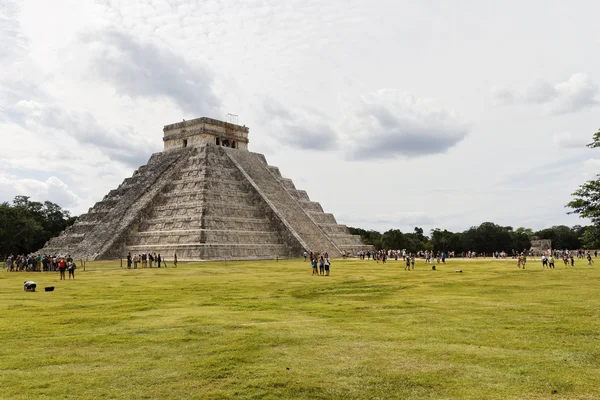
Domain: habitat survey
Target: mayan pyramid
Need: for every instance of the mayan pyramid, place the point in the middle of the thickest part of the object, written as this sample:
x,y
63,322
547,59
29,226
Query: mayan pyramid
x,y
205,197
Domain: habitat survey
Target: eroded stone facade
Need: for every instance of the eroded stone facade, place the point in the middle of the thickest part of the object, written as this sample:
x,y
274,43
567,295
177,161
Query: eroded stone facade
x,y
205,201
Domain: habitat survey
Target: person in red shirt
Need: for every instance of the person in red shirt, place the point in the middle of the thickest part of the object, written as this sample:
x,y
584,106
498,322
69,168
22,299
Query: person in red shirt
x,y
62,266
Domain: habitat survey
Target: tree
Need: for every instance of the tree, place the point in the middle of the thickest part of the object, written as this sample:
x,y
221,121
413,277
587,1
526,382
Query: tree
x,y
595,140
368,237
18,230
586,203
26,225
393,240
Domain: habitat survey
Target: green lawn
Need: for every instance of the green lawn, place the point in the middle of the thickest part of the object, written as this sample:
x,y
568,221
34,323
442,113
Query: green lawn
x,y
270,330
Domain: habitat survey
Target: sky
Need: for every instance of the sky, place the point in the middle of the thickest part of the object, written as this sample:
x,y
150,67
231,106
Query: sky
x,y
391,114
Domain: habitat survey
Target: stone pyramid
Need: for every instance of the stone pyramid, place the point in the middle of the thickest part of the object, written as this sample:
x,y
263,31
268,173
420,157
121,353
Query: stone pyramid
x,y
205,197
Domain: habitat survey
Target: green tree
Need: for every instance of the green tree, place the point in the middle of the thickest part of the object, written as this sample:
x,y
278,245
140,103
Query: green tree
x,y
368,236
393,240
586,204
26,225
18,229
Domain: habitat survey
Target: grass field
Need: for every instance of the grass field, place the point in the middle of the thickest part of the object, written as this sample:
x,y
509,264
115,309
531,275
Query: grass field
x,y
270,330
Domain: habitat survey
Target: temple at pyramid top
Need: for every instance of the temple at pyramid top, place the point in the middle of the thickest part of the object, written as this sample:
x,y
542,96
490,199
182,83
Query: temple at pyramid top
x,y
201,131
205,197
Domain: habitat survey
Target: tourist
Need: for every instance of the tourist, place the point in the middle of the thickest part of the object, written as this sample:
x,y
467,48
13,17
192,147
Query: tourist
x,y
29,286
71,268
128,260
589,259
62,266
314,266
519,262
175,260
551,261
136,260
407,259
144,260
158,260
305,254
150,259
412,261
327,264
321,266
544,261
572,260
524,260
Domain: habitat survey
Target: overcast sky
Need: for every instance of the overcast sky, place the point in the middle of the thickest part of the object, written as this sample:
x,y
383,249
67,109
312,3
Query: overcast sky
x,y
389,113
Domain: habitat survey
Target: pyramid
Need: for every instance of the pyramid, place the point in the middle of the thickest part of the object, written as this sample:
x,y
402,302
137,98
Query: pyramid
x,y
205,197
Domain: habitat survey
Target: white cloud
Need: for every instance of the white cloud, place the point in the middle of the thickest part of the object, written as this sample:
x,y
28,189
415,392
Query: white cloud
x,y
389,124
142,69
52,189
300,127
119,144
575,94
384,124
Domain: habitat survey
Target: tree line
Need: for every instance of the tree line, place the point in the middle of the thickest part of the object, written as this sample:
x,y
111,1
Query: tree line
x,y
25,225
485,238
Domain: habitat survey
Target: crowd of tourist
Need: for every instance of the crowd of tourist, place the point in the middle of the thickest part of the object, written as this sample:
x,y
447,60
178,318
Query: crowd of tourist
x,y
320,263
148,260
39,263
383,255
547,257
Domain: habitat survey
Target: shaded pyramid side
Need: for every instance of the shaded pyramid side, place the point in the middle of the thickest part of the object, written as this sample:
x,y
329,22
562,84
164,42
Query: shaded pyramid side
x,y
338,233
96,233
315,230
209,211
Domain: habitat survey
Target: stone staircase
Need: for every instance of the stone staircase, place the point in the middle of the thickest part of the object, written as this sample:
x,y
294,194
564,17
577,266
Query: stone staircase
x,y
99,232
209,211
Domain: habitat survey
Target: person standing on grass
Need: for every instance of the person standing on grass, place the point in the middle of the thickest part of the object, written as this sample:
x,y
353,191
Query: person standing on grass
x,y
144,260
321,266
327,264
136,260
71,268
158,260
412,261
572,260
544,261
175,260
150,259
519,262
315,271
305,255
62,266
589,259
407,260
551,261
129,260
524,260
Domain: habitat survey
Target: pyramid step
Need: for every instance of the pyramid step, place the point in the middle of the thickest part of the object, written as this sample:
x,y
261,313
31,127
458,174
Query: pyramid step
x,y
216,251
